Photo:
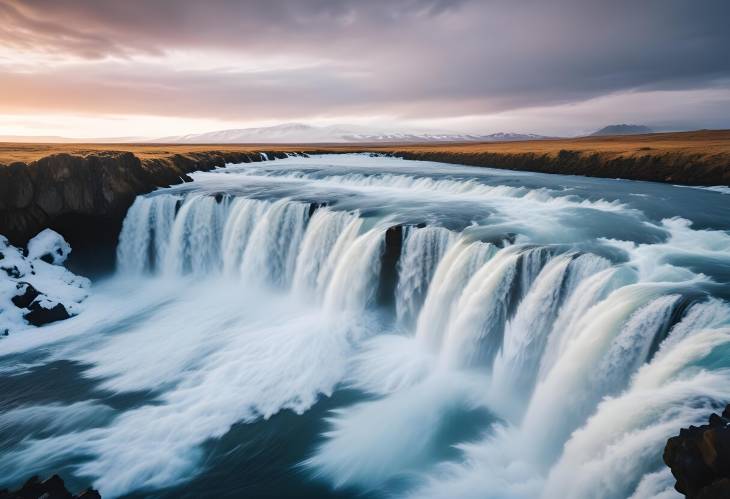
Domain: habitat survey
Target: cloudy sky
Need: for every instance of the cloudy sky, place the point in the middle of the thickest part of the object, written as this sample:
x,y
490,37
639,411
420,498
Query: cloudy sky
x,y
93,68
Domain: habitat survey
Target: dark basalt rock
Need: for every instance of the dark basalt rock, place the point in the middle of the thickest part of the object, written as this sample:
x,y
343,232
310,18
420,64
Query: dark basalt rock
x,y
315,206
699,458
48,258
52,488
676,168
389,265
39,315
84,198
27,295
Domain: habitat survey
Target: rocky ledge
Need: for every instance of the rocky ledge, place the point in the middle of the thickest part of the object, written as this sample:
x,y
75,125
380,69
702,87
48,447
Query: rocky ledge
x,y
699,458
673,168
52,488
85,197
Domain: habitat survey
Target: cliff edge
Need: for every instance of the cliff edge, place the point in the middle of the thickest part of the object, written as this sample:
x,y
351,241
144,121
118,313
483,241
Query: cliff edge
x,y
699,458
84,197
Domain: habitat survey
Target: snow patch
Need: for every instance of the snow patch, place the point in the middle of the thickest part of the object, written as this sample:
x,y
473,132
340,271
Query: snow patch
x,y
33,283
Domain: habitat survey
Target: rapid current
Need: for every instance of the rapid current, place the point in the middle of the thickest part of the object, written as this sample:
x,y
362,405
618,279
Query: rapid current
x,y
366,326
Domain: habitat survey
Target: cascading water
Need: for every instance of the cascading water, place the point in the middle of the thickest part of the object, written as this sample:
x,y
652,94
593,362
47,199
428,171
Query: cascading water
x,y
422,251
323,233
516,366
452,275
537,340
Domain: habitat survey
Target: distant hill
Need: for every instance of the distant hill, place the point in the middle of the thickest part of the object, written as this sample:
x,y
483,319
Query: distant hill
x,y
299,133
57,139
623,130
294,133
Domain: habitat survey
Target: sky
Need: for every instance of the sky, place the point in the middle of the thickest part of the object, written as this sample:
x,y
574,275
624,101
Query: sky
x,y
108,68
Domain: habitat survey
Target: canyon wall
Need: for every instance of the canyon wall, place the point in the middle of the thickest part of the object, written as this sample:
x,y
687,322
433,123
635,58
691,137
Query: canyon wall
x,y
671,167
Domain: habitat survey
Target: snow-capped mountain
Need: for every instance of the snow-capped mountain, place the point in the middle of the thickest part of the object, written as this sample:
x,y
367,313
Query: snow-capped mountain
x,y
302,133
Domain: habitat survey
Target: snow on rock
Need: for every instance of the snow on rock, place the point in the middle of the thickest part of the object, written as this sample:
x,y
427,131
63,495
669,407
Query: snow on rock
x,y
34,288
49,246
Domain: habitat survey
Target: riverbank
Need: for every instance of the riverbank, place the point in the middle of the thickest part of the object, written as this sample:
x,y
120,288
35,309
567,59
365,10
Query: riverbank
x,y
689,158
84,190
692,158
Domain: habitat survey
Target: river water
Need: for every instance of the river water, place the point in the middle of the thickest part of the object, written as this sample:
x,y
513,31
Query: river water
x,y
366,326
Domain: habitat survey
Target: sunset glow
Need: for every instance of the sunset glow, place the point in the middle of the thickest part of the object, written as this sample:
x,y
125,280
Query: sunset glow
x,y
104,69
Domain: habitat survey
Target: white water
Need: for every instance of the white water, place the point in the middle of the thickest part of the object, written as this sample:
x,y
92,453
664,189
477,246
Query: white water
x,y
522,316
422,252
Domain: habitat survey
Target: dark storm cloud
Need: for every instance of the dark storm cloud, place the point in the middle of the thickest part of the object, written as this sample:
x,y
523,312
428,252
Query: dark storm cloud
x,y
415,58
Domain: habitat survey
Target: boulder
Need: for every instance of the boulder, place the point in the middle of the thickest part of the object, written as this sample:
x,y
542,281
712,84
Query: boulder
x,y
51,488
35,287
26,295
699,458
49,246
42,312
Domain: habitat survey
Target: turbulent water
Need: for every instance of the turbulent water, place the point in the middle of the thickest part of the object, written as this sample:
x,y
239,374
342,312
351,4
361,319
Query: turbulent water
x,y
364,326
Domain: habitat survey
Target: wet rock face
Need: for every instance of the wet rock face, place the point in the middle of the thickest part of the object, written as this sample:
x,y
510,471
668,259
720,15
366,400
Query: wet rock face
x,y
689,169
60,184
41,314
85,198
389,262
699,458
51,488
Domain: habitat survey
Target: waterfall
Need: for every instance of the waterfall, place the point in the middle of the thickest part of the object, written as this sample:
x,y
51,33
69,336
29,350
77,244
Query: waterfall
x,y
343,243
194,242
243,217
133,250
474,334
354,280
526,333
324,230
556,339
145,234
422,251
709,314
592,365
589,292
453,273
271,251
278,244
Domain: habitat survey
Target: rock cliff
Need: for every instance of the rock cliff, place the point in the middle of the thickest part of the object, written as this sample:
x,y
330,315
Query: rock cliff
x,y
85,197
699,458
670,167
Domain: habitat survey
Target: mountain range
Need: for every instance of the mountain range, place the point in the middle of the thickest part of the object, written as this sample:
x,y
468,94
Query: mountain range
x,y
303,133
622,129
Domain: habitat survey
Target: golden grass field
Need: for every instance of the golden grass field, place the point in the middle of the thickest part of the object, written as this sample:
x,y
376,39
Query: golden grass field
x,y
715,143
